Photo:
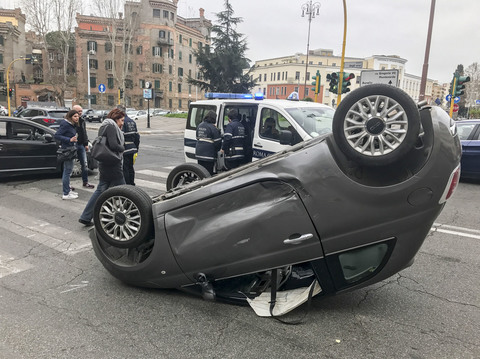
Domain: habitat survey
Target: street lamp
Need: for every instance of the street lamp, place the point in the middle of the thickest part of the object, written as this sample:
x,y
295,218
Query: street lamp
x,y
90,52
8,82
310,9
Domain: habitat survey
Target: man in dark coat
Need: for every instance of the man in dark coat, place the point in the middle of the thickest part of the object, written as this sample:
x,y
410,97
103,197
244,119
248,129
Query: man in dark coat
x,y
132,143
82,146
208,142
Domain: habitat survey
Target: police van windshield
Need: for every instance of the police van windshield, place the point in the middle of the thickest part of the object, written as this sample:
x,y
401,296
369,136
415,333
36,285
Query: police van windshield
x,y
314,120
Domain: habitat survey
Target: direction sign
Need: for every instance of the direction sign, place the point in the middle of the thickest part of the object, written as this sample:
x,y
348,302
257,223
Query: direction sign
x,y
101,88
456,99
448,98
477,102
389,77
455,107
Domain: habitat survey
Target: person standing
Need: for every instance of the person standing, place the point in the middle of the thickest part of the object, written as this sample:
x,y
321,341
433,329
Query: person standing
x,y
233,141
111,173
208,142
82,146
132,143
67,135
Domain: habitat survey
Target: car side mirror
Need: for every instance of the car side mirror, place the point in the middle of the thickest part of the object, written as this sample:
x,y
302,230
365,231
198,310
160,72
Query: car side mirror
x,y
285,137
48,137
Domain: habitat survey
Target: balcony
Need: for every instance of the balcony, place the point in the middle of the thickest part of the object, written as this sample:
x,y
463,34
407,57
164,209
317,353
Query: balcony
x,y
163,41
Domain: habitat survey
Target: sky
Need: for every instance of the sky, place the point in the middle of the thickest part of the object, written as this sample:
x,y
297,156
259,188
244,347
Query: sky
x,y
275,28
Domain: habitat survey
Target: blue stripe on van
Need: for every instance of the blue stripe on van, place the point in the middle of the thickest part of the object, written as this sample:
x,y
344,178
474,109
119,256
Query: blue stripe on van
x,y
188,142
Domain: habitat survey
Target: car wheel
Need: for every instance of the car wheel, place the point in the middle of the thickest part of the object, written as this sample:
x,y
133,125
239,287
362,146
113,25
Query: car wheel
x,y
123,216
376,125
186,173
77,168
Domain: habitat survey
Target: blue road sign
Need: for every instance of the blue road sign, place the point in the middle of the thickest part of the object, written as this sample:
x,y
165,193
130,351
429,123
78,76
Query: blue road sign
x,y
101,88
477,102
456,99
448,98
438,101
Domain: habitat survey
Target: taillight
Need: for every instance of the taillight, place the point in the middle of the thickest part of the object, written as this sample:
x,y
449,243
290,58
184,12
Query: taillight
x,y
451,185
48,120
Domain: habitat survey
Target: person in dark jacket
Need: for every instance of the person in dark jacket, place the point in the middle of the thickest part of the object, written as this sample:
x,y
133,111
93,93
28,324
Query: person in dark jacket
x,y
67,135
233,141
208,142
111,173
82,146
132,143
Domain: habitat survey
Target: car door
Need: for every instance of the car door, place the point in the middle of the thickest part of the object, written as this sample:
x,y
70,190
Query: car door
x,y
25,147
266,139
471,151
248,229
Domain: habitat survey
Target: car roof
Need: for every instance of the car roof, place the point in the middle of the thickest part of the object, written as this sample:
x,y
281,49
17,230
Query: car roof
x,y
26,122
473,120
271,102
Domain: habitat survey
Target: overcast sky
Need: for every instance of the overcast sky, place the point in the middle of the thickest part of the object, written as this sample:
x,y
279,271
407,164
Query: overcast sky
x,y
375,27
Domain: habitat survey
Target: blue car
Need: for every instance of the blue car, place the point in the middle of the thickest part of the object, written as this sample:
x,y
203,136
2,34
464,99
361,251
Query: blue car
x,y
469,134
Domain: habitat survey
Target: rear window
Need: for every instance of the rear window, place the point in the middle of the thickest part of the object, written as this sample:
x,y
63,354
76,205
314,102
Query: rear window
x,y
465,130
58,114
197,114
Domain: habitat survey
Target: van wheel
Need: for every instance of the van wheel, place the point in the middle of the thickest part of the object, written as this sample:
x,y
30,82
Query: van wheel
x,y
186,173
376,125
123,216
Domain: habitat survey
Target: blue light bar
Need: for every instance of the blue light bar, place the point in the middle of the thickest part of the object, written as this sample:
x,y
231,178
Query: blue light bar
x,y
220,95
258,96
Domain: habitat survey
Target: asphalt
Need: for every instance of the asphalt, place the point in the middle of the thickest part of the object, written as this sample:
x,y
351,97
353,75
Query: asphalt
x,y
157,125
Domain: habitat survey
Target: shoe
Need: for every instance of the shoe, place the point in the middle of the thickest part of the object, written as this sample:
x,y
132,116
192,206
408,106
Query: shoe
x,y
88,185
70,196
86,223
74,193
72,188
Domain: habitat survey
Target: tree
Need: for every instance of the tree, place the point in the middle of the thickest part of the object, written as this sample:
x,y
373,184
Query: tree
x,y
473,89
221,68
53,21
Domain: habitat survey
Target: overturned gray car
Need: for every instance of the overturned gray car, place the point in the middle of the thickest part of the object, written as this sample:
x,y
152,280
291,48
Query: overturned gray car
x,y
343,210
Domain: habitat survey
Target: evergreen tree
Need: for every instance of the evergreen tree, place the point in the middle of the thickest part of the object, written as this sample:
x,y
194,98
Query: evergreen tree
x,y
221,67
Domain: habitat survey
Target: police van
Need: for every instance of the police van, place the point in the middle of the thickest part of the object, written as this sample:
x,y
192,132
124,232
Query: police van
x,y
270,126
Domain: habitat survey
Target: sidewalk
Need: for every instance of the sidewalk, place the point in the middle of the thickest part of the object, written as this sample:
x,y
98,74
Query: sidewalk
x,y
158,125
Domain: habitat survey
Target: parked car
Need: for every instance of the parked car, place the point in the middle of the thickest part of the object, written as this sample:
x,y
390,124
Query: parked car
x,y
3,111
160,112
29,147
346,209
137,114
96,115
46,112
469,133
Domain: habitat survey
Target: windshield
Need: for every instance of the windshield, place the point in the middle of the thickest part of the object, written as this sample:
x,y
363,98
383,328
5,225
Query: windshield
x,y
314,120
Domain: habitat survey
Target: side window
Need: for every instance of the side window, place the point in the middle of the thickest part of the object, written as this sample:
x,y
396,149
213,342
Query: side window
x,y
23,132
3,130
465,130
197,114
272,123
246,114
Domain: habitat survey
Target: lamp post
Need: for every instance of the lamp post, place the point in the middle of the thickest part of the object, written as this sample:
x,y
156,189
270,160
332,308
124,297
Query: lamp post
x,y
8,82
310,9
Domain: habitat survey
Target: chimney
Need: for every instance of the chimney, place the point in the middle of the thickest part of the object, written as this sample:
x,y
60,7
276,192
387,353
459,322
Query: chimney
x,y
120,15
202,12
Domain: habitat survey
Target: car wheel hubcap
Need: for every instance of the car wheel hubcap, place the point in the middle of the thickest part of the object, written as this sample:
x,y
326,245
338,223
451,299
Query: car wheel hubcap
x,y
375,125
184,178
120,218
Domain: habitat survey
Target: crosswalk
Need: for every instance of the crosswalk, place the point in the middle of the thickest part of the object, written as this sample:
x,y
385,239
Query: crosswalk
x,y
20,218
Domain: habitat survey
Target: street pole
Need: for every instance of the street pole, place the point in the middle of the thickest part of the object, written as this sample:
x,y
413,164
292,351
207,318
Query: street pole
x,y
342,62
8,83
423,81
311,9
88,79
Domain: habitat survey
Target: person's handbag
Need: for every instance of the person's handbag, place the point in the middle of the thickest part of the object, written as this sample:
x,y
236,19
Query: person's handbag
x,y
66,154
102,153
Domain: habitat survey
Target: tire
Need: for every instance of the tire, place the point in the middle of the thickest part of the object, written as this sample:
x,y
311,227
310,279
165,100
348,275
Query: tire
x,y
123,216
376,125
186,173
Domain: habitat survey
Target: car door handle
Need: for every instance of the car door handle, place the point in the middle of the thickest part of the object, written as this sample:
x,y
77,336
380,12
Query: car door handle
x,y
298,240
258,144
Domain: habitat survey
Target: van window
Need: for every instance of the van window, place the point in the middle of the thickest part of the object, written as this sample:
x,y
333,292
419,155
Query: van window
x,y
197,114
315,121
272,122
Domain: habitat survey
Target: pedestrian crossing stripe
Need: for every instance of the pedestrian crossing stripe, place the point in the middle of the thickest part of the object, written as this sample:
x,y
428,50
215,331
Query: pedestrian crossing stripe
x,y
11,265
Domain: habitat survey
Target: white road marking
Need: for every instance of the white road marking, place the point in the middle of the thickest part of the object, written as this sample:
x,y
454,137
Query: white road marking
x,y
153,173
149,184
75,287
11,265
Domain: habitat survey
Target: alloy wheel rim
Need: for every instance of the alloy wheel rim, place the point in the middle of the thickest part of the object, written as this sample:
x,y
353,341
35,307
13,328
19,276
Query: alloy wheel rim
x,y
120,218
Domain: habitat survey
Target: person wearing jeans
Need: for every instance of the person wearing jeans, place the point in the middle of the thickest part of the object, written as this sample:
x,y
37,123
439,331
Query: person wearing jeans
x,y
111,173
82,146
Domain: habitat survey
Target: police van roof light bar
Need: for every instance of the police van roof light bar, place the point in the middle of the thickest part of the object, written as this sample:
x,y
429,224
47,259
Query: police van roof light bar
x,y
220,95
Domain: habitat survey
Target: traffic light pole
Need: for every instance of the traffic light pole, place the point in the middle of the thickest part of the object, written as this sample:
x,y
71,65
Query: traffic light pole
x,y
340,80
453,95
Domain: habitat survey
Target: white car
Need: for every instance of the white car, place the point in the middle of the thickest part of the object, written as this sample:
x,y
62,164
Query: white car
x,y
3,111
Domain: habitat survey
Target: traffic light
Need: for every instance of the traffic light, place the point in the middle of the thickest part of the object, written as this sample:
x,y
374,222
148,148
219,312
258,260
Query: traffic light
x,y
316,83
10,92
460,87
120,93
333,78
346,82
4,91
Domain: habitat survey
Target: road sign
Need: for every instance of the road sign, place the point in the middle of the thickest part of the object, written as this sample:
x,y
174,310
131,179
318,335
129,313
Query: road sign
x,y
456,99
389,77
448,98
147,94
477,102
438,101
455,107
101,88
